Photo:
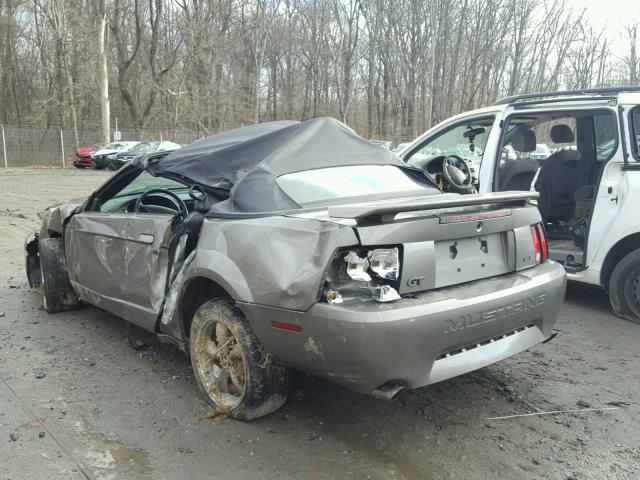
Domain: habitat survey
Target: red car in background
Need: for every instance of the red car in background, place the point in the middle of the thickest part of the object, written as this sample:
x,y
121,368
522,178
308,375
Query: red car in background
x,y
83,155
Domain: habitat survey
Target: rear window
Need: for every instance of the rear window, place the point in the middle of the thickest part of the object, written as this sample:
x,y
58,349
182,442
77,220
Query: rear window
x,y
332,183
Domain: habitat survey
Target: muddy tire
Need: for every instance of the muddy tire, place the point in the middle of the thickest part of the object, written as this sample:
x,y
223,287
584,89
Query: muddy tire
x,y
624,287
57,292
32,264
232,369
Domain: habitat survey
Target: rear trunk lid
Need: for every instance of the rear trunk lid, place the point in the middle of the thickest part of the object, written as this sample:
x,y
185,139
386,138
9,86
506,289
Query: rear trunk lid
x,y
449,239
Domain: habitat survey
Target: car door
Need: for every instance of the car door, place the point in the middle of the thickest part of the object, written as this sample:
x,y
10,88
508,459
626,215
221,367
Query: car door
x,y
118,261
614,211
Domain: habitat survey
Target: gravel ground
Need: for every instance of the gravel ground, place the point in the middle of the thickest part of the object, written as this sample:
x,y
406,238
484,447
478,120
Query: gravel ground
x,y
77,402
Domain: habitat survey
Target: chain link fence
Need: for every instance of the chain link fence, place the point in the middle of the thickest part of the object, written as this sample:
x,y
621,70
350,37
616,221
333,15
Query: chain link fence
x,y
54,146
33,146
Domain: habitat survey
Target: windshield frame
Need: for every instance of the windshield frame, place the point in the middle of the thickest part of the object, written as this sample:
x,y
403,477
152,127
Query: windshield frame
x,y
451,125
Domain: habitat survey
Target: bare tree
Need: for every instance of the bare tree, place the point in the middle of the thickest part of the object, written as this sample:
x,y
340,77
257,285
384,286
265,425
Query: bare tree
x,y
103,73
632,59
390,68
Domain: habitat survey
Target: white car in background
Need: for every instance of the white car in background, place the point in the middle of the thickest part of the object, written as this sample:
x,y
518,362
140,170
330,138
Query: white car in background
x,y
102,157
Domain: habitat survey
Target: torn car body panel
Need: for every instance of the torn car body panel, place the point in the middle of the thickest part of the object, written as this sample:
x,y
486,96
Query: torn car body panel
x,y
286,264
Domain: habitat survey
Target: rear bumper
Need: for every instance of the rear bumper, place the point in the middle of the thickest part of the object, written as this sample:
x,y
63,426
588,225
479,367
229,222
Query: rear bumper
x,y
417,341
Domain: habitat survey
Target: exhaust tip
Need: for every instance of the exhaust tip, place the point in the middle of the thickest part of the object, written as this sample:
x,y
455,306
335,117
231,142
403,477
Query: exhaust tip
x,y
388,391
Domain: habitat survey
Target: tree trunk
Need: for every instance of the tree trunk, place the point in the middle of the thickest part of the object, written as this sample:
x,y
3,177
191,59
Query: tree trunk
x,y
103,79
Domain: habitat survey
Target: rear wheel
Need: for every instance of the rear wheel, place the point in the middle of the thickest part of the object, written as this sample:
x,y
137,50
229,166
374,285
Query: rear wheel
x,y
232,369
57,291
624,287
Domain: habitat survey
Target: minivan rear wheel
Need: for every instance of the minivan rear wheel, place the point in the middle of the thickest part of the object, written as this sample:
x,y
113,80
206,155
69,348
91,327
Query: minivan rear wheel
x,y
624,287
232,369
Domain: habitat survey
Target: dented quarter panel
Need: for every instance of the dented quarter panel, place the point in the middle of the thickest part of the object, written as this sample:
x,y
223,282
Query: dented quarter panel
x,y
276,261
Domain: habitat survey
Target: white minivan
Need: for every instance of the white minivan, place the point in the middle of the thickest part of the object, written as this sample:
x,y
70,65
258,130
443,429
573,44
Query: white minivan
x,y
589,184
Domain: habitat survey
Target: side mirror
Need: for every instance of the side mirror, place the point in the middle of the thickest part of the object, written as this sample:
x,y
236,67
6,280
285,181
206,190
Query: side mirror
x,y
93,204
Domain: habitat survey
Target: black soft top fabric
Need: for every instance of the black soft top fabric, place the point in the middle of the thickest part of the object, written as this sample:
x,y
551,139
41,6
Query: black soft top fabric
x,y
241,166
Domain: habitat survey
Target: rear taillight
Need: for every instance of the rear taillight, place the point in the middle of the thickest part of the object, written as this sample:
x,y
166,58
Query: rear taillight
x,y
358,272
539,243
544,247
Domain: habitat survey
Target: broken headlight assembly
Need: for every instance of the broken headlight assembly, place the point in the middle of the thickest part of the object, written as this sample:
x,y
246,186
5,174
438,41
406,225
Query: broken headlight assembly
x,y
358,273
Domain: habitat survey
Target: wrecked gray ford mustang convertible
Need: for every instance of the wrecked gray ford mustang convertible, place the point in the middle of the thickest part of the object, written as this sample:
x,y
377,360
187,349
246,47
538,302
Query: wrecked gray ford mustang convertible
x,y
301,245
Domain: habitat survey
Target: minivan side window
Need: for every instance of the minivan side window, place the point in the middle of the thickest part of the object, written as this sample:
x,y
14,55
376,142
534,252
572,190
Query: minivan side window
x,y
605,130
635,132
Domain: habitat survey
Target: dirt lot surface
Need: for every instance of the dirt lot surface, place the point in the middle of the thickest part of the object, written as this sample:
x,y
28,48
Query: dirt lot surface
x,y
76,401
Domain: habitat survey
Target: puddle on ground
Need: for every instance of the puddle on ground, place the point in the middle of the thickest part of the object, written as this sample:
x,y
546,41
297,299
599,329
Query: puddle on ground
x,y
114,456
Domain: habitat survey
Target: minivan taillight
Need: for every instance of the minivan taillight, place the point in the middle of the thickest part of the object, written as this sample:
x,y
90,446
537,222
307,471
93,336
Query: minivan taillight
x,y
539,242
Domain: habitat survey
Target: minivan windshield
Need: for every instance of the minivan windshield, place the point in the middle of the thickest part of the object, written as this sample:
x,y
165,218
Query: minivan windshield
x,y
326,184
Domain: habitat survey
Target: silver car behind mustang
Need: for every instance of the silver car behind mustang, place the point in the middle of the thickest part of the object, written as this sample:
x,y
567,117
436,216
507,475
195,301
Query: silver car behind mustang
x,y
301,245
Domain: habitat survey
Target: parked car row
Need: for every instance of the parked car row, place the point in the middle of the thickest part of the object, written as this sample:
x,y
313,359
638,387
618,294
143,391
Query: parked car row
x,y
114,155
83,155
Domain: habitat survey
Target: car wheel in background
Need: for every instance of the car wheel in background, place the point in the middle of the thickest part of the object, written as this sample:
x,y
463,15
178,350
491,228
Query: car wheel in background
x,y
57,291
624,287
232,369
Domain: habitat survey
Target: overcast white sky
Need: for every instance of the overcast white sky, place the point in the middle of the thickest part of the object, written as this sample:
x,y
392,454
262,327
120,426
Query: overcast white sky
x,y
612,14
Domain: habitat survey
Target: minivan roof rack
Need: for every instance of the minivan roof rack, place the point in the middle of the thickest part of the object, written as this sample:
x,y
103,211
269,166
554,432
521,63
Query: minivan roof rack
x,y
567,93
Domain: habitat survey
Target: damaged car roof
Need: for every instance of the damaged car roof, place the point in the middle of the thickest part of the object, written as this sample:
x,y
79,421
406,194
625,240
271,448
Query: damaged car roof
x,y
241,166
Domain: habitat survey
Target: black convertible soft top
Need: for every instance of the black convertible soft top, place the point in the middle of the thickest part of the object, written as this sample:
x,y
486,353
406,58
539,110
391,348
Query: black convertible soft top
x,y
240,166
